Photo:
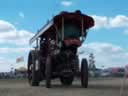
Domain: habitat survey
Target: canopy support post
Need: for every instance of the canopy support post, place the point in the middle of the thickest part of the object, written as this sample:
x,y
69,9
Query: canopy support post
x,y
62,28
82,27
37,44
56,33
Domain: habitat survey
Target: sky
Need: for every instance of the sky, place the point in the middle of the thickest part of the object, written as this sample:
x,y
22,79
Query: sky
x,y
107,40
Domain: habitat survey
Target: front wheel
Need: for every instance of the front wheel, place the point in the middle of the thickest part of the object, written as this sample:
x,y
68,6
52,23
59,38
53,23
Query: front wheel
x,y
32,73
84,73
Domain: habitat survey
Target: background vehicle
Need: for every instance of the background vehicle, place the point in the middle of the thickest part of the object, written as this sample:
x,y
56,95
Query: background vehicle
x,y
55,55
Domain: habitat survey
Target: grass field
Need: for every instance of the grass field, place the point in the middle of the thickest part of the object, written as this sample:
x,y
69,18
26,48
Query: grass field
x,y
97,87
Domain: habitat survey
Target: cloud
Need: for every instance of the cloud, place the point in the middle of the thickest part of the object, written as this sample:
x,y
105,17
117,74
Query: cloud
x,y
66,3
6,50
6,26
100,21
10,35
21,14
5,64
119,21
9,55
105,54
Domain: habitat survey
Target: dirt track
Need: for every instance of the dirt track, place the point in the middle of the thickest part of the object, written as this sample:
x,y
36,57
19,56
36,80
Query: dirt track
x,y
100,87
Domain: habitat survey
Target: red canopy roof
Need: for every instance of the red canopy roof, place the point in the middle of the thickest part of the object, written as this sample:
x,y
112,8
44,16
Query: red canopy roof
x,y
71,17
75,18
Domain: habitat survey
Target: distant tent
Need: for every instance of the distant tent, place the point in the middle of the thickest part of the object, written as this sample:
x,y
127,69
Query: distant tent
x,y
21,69
20,59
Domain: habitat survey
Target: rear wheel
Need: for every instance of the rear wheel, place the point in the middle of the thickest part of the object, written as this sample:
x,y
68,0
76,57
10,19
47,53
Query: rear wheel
x,y
33,76
84,73
66,80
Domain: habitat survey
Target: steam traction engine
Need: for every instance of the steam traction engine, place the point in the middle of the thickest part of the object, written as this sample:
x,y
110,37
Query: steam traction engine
x,y
55,54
